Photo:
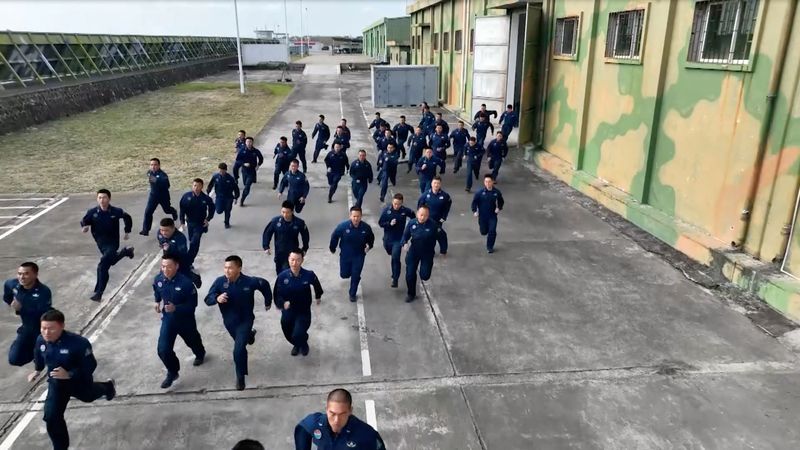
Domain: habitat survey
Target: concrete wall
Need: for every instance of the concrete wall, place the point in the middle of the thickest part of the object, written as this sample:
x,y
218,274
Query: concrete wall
x,y
24,108
375,41
254,54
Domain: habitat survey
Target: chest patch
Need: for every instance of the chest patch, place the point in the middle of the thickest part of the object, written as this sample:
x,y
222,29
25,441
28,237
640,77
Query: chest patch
x,y
317,434
64,351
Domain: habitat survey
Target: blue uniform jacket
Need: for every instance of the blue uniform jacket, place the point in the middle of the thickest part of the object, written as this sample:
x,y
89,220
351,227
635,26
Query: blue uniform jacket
x,y
105,224
394,233
388,160
485,201
438,203
497,150
355,435
376,123
353,241
252,156
439,141
178,291
418,142
402,131
286,234
337,162
239,144
343,139
459,137
321,131
241,298
383,143
196,208
510,119
475,153
35,301
225,186
361,171
297,291
297,184
427,121
481,127
159,183
283,155
430,166
444,124
299,139
71,351
422,236
177,246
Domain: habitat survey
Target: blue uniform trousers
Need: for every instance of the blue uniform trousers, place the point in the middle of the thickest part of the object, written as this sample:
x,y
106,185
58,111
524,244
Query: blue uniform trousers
x,y
295,328
473,172
506,130
21,351
488,228
240,332
387,176
281,262
224,205
237,165
350,267
153,202
413,263
333,183
184,326
359,189
109,257
458,155
424,183
495,164
394,249
58,395
248,178
195,233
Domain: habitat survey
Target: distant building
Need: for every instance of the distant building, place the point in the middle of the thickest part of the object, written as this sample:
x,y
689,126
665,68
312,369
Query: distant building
x,y
389,40
347,44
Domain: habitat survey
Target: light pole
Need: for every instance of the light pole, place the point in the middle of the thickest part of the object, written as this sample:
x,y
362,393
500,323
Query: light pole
x,y
302,49
238,47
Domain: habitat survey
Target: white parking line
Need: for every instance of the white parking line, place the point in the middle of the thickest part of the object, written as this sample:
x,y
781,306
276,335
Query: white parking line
x,y
21,216
341,105
26,199
33,217
21,207
372,418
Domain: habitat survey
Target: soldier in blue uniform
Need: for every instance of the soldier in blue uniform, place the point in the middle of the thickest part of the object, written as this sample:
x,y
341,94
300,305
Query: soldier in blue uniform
x,y
346,132
426,168
459,136
428,120
484,112
377,122
420,237
298,186
226,192
360,176
386,139
292,294
337,428
322,133
29,298
239,145
509,120
176,300
197,210
474,156
443,123
439,142
283,156
402,131
481,127
355,239
159,195
299,143
235,294
173,242
438,202
393,221
336,164
418,143
287,229
387,169
103,221
486,205
341,138
252,159
496,151
70,367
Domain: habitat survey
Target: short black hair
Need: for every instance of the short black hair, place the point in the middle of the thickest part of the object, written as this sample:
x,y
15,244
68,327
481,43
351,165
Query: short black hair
x,y
423,206
402,116
298,251
222,166
378,114
167,222
322,116
198,180
483,104
438,114
172,257
294,161
248,444
340,396
287,204
362,151
344,120
156,160
398,196
249,138
104,191
242,131
339,127
234,258
355,208
30,265
473,139
436,177
391,143
488,175
461,122
298,123
510,106
53,315
283,138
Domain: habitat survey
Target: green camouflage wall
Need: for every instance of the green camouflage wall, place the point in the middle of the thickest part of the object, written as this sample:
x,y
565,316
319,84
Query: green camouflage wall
x,y
680,139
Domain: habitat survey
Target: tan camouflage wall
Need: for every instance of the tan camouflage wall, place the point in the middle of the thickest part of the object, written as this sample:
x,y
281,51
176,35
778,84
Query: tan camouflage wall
x,y
678,141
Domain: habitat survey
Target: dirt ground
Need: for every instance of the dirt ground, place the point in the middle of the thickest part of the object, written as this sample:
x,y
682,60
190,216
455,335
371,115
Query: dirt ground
x,y
190,127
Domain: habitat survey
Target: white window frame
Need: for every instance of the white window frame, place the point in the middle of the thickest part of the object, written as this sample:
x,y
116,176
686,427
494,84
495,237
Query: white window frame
x,y
736,25
637,36
559,44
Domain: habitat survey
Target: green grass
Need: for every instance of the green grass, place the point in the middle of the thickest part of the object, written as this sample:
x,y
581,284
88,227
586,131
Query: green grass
x,y
190,127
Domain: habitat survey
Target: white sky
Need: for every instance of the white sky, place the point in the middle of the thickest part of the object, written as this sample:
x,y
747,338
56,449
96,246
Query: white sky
x,y
195,17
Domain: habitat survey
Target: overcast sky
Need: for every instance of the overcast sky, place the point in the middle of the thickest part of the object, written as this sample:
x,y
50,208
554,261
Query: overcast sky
x,y
195,17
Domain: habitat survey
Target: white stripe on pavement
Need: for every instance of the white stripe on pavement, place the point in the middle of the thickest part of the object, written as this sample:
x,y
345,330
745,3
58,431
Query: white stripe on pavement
x,y
33,217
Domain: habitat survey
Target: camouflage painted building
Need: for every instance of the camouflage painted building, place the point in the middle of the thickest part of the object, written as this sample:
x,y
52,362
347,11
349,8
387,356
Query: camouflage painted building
x,y
681,115
388,40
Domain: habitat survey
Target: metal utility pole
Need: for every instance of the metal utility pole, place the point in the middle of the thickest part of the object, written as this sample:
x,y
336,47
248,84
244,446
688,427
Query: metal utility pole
x,y
302,48
238,47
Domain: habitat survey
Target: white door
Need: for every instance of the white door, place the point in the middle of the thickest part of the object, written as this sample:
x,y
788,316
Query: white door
x,y
490,65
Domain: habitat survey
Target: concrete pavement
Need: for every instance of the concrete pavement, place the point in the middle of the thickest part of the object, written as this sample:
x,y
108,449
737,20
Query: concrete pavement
x,y
570,336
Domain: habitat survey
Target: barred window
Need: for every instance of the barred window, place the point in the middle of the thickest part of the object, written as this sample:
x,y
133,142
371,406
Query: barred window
x,y
722,31
458,45
566,40
624,35
436,41
446,41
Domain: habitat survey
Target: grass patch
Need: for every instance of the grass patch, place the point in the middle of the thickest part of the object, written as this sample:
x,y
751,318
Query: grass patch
x,y
190,127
